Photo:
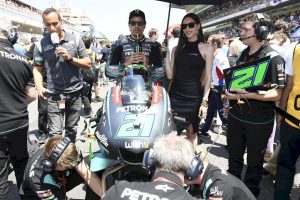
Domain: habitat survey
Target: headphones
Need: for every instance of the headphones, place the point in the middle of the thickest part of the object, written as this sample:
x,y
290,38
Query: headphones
x,y
195,169
13,37
261,27
48,164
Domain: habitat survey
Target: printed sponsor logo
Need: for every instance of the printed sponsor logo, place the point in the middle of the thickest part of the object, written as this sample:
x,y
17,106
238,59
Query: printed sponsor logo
x,y
137,144
215,191
135,194
132,108
12,56
164,188
44,193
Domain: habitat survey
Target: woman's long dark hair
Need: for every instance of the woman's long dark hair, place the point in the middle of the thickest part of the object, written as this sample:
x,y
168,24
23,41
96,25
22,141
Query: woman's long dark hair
x,y
183,40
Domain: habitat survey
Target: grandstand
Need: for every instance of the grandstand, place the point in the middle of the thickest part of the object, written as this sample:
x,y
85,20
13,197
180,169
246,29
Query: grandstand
x,y
226,17
28,20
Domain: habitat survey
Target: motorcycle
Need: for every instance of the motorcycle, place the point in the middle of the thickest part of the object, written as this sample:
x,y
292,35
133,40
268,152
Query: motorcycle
x,y
134,113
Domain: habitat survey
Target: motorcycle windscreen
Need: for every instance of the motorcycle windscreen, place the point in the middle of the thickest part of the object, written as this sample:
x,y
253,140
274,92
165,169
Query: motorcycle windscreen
x,y
134,90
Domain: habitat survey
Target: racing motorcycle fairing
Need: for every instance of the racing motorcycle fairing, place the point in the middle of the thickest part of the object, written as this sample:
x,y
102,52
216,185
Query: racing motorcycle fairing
x,y
132,117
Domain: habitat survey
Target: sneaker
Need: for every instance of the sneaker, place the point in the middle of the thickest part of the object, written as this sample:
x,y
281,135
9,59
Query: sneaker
x,y
218,129
42,139
203,135
97,99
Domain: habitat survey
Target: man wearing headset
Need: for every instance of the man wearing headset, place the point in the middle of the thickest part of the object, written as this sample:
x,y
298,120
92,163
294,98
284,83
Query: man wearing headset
x,y
172,156
251,115
55,169
174,160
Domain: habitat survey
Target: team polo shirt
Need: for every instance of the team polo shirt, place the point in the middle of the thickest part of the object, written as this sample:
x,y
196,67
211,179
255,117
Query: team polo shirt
x,y
15,73
62,77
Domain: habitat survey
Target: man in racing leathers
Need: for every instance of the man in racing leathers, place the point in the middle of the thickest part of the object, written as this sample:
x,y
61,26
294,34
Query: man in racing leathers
x,y
135,49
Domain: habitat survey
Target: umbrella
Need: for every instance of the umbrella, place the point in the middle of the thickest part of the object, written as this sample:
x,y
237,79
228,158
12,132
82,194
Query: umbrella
x,y
296,34
187,2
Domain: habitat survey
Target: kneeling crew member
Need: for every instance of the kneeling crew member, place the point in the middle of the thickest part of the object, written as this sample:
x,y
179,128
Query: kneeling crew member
x,y
172,156
56,169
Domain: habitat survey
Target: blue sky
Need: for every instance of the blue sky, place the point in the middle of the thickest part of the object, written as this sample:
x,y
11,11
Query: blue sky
x,y
111,16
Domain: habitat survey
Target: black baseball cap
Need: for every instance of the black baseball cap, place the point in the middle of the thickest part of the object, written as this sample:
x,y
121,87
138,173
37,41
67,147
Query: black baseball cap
x,y
137,13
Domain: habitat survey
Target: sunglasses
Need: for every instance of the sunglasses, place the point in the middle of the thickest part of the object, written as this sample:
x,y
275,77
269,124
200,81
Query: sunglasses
x,y
190,25
139,23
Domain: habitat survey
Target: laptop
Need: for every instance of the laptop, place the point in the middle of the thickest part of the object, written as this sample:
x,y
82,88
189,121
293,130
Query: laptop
x,y
250,76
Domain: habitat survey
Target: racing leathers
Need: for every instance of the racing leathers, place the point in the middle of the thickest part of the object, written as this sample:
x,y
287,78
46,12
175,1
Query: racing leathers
x,y
121,51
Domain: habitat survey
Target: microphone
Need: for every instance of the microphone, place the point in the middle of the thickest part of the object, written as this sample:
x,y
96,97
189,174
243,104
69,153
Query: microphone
x,y
241,39
55,42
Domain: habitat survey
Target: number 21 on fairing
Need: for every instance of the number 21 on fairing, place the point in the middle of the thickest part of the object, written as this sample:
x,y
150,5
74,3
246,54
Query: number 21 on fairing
x,y
127,129
249,76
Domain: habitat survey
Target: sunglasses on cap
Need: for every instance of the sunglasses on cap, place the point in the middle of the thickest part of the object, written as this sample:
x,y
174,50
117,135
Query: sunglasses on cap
x,y
139,23
190,25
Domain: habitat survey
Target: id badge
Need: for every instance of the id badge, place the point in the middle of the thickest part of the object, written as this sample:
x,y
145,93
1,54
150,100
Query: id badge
x,y
61,104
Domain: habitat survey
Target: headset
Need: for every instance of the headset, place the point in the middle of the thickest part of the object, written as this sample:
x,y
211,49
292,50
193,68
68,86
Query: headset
x,y
49,163
261,27
195,169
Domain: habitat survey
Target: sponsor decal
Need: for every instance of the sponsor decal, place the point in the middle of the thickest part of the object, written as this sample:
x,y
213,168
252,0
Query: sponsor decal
x,y
164,188
136,126
102,138
132,108
135,194
137,144
156,95
116,95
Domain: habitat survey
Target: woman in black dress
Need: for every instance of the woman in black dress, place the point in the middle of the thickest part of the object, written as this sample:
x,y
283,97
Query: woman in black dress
x,y
191,66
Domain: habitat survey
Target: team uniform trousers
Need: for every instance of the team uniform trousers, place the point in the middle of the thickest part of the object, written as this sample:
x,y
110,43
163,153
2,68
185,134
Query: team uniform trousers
x,y
254,137
13,148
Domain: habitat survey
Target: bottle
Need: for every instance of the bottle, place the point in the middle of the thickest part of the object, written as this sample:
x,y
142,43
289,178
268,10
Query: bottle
x,y
138,47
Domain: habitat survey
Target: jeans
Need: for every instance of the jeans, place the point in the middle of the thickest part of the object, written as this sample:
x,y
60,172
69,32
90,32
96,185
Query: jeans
x,y
214,104
13,148
71,113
